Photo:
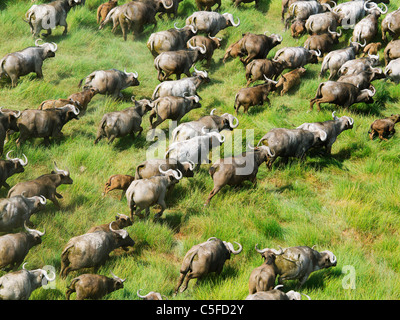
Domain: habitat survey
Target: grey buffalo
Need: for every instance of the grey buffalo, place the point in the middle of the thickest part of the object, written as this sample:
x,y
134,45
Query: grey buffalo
x,y
92,249
212,122
93,286
110,82
173,108
118,124
235,170
45,185
144,193
333,128
47,16
391,24
150,168
17,64
296,57
287,143
170,40
205,258
44,123
392,70
211,23
8,125
19,285
335,59
367,28
15,211
300,262
276,294
15,247
182,87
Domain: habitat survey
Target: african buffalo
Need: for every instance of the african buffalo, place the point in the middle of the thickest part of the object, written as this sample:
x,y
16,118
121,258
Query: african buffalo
x,y
205,258
211,22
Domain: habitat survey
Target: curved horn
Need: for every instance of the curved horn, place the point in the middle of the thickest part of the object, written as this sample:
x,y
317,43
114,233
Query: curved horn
x,y
33,230
115,277
260,251
191,164
121,232
251,148
269,80
23,266
212,238
232,118
308,297
212,112
384,11
140,296
47,276
54,47
37,42
165,4
60,171
351,120
333,116
7,155
232,250
23,163
42,199
177,27
177,174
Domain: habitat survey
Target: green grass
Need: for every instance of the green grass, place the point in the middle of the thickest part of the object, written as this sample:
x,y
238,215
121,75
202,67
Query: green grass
x,y
347,203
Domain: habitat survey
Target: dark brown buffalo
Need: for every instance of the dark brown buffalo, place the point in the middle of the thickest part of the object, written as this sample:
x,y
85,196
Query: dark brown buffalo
x,y
253,96
384,127
257,46
45,185
9,167
44,123
8,125
93,286
207,4
322,42
342,94
15,247
258,69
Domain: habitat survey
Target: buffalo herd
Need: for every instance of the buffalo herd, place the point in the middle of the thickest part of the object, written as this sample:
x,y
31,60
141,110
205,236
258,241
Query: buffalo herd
x,y
352,68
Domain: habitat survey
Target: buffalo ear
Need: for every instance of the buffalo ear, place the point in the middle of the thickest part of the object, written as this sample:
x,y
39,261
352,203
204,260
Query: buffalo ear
x,y
53,172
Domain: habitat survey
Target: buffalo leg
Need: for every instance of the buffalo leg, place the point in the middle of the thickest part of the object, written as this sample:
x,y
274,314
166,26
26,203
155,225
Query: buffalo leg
x,y
213,192
181,278
55,201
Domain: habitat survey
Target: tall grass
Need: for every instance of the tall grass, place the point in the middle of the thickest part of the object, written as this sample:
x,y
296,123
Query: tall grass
x,y
347,203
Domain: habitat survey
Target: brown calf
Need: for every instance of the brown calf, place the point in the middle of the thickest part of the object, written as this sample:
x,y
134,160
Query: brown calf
x,y
372,48
104,9
384,127
290,79
233,51
83,98
51,104
118,181
298,28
